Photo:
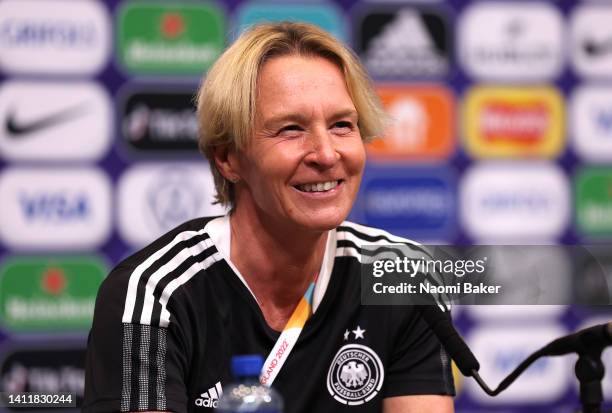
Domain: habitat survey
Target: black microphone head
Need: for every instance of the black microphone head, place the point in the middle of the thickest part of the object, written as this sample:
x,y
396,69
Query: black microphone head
x,y
589,340
442,326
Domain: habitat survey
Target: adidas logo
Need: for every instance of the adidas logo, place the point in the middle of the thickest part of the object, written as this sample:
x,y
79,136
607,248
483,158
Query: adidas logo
x,y
406,46
210,398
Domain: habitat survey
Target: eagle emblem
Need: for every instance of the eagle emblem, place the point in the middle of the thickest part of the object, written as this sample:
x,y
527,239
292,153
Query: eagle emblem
x,y
355,375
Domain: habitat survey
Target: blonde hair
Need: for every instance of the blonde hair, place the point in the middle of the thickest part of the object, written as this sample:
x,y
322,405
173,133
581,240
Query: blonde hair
x,y
226,98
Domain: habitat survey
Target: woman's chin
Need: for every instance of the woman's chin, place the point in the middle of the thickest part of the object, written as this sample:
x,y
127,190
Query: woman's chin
x,y
323,221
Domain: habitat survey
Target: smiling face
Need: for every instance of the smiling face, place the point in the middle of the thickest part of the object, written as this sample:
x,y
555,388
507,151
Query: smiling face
x,y
302,167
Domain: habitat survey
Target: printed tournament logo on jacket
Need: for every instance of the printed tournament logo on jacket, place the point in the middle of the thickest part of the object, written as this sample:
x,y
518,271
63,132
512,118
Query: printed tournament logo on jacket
x,y
356,374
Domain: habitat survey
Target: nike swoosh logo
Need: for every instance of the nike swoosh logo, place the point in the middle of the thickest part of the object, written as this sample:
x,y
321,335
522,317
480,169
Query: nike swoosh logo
x,y
596,49
20,129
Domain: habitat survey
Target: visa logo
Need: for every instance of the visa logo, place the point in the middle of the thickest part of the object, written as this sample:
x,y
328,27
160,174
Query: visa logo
x,y
56,206
507,362
603,119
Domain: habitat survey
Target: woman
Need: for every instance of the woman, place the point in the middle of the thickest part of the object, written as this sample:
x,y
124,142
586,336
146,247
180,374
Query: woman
x,y
283,116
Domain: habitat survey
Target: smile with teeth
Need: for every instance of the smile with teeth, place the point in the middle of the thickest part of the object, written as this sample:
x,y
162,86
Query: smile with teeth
x,y
318,187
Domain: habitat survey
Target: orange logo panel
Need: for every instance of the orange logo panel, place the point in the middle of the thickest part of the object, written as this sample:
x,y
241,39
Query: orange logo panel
x,y
422,123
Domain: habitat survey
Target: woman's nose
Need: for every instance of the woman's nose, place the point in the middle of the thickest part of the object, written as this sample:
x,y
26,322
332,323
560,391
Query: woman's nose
x,y
322,152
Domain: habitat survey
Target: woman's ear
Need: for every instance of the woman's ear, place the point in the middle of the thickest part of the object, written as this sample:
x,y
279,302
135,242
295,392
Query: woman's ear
x,y
227,162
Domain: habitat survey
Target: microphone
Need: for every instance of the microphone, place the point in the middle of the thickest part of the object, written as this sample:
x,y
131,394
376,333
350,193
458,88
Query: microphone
x,y
442,326
588,343
589,340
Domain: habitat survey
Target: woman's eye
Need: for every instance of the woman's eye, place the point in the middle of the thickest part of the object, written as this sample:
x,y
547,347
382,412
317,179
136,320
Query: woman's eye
x,y
290,128
343,126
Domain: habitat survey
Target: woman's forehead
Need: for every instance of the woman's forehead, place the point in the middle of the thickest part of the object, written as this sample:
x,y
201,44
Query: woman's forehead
x,y
295,84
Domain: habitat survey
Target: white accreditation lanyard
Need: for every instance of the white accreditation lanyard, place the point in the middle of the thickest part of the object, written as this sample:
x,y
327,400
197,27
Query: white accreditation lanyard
x,y
288,338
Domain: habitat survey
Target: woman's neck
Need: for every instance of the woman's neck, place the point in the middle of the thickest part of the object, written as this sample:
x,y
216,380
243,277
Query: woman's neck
x,y
278,265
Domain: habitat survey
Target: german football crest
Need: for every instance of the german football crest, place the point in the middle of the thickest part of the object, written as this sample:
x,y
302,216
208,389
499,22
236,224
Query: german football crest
x,y
356,375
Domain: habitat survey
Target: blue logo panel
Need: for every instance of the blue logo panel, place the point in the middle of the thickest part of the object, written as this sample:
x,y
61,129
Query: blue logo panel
x,y
326,16
417,203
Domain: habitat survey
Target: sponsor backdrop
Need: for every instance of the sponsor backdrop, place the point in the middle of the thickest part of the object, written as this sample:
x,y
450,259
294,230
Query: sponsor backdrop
x,y
501,133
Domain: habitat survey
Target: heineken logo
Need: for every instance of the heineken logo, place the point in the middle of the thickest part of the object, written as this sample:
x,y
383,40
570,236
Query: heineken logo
x,y
593,193
173,38
173,25
54,281
49,294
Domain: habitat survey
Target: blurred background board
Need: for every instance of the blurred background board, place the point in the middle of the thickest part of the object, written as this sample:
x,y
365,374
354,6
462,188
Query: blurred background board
x,y
501,134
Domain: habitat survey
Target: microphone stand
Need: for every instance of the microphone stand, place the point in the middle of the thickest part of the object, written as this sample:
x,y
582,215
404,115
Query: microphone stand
x,y
589,370
589,344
